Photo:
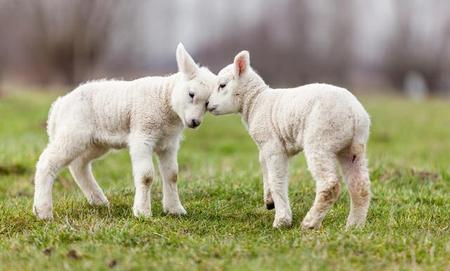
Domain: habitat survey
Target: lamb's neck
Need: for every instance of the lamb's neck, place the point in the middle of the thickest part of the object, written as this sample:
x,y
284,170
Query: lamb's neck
x,y
167,89
250,96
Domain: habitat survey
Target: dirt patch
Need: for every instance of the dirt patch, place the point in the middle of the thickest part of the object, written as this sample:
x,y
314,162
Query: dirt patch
x,y
425,176
421,175
112,263
390,175
47,251
74,254
16,169
23,193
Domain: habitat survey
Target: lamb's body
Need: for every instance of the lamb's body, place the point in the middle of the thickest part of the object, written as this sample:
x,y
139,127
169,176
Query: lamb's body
x,y
326,122
329,124
111,113
97,116
146,115
308,115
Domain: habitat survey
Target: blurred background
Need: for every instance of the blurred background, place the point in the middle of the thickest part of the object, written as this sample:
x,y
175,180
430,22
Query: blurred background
x,y
396,46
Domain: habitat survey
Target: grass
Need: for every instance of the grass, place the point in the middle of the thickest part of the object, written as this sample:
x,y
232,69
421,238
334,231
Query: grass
x,y
227,226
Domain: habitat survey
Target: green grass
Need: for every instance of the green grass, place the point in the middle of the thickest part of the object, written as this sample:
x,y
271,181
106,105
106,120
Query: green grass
x,y
227,226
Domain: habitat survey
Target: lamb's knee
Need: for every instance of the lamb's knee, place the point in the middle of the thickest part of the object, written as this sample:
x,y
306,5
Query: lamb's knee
x,y
46,166
269,201
360,192
329,194
173,178
147,180
143,176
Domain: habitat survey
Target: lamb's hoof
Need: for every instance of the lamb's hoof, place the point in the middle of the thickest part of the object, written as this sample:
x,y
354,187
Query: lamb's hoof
x,y
177,210
354,224
99,201
282,222
43,213
310,224
270,205
142,212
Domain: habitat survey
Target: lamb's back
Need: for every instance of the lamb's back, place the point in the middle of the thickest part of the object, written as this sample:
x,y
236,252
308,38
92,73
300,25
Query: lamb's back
x,y
314,110
98,107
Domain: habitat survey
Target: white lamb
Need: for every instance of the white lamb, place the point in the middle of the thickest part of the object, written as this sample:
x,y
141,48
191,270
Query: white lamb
x,y
146,115
326,122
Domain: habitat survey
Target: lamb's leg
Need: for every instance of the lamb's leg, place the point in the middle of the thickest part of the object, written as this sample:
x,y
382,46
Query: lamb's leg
x,y
51,161
267,195
323,168
143,174
82,173
168,167
277,168
356,176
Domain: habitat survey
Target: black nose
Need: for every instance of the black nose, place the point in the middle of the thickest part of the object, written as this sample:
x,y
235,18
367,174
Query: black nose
x,y
195,123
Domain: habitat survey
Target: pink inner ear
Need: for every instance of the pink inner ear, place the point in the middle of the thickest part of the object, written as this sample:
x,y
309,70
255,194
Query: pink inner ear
x,y
241,65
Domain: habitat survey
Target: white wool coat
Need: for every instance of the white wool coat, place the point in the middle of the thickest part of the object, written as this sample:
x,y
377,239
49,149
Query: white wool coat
x,y
146,115
314,115
111,113
326,122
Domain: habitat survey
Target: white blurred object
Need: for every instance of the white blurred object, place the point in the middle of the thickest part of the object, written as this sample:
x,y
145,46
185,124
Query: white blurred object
x,y
415,86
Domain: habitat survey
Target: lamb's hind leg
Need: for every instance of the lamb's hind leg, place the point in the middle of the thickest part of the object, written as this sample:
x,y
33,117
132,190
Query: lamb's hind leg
x,y
323,168
51,161
81,171
356,174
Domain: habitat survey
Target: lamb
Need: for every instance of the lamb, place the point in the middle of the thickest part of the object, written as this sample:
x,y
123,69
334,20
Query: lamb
x,y
326,122
146,115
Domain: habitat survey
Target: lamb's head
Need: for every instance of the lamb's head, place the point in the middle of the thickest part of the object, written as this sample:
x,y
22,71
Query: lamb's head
x,y
192,91
233,81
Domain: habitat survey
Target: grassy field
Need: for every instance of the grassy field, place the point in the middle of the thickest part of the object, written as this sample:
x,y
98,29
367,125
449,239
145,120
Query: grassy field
x,y
227,226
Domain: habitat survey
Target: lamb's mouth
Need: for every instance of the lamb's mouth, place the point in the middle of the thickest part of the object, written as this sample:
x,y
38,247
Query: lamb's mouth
x,y
191,126
214,112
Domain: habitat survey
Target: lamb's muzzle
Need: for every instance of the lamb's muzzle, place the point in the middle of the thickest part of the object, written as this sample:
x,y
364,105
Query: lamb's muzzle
x,y
194,123
212,108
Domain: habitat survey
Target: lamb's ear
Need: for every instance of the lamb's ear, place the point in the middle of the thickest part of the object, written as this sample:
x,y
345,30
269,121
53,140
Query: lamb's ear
x,y
186,64
241,63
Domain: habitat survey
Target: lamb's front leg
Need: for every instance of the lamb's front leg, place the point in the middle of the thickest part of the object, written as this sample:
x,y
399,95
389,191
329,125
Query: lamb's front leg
x,y
143,174
277,168
168,167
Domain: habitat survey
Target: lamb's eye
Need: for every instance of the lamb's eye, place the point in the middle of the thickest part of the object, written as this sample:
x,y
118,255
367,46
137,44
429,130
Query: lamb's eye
x,y
191,95
206,104
222,86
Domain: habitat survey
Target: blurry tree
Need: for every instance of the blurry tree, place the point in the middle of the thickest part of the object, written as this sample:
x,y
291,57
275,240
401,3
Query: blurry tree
x,y
66,40
291,42
3,25
69,38
288,47
408,51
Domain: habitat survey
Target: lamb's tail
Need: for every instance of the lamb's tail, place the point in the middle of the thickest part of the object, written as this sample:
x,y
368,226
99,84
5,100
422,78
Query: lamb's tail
x,y
51,122
361,133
